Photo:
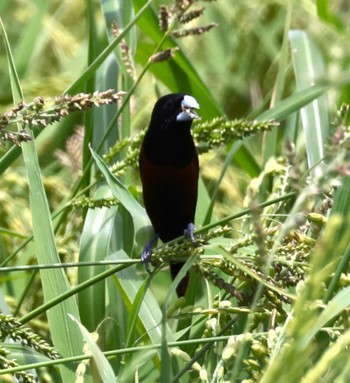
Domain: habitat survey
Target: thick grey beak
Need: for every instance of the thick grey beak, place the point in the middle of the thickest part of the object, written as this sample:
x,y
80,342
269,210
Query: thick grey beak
x,y
188,105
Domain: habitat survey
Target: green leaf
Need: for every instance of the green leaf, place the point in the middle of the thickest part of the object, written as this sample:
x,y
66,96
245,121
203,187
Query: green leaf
x,y
29,35
341,207
78,84
105,370
138,233
106,78
334,307
309,68
24,355
326,14
95,245
293,103
270,138
66,339
132,286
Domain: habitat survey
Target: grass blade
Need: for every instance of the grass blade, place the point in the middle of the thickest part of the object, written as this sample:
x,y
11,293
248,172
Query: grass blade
x,y
270,138
132,287
293,103
308,69
105,370
77,85
95,246
138,214
66,339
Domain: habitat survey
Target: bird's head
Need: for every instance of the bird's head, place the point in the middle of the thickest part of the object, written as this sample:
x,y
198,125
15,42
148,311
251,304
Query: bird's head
x,y
172,109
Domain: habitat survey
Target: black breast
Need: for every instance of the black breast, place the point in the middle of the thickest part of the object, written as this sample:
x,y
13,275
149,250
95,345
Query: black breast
x,y
173,147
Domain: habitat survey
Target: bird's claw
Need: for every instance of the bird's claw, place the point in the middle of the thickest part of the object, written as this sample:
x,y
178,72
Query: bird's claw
x,y
189,232
146,255
146,258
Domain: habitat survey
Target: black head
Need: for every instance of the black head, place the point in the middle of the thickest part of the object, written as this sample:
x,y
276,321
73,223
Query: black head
x,y
172,109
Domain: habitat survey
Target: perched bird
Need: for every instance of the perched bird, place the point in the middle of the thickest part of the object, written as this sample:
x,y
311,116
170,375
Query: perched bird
x,y
169,173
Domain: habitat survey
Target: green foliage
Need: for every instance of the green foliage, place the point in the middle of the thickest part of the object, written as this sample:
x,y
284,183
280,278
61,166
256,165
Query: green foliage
x,y
270,272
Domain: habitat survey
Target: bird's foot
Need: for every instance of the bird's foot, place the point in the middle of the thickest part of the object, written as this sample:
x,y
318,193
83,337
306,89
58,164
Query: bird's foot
x,y
146,255
189,232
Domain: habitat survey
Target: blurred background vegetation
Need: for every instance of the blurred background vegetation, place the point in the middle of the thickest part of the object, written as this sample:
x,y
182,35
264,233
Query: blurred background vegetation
x,y
258,63
238,62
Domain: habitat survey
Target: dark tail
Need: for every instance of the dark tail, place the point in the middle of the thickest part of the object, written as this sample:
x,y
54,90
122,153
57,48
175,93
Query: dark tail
x,y
182,286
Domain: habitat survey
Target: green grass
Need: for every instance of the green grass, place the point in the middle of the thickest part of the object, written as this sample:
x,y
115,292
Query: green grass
x,y
270,279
